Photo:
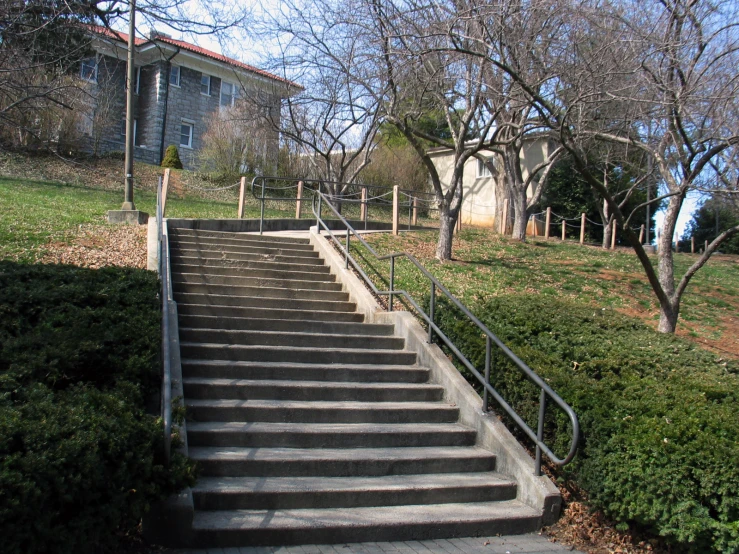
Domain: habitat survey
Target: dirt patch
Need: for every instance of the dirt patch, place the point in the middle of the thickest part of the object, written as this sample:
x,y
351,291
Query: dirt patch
x,y
96,246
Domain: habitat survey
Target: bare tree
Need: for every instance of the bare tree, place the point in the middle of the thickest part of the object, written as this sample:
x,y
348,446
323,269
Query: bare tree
x,y
333,120
665,72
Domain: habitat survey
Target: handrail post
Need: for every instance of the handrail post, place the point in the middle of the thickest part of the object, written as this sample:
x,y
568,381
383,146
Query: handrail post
x,y
346,257
261,211
415,210
392,284
299,203
363,206
485,403
165,190
320,205
396,211
410,212
540,431
242,193
432,307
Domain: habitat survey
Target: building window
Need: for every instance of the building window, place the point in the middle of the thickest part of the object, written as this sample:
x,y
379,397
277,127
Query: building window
x,y
205,85
229,94
186,132
482,170
174,75
89,70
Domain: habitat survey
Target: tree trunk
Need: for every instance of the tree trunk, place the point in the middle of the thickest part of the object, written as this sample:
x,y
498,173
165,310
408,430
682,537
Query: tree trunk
x,y
447,222
669,312
520,220
607,223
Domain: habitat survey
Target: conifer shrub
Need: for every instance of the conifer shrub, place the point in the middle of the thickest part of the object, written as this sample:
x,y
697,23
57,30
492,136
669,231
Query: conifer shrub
x,y
81,460
659,448
172,158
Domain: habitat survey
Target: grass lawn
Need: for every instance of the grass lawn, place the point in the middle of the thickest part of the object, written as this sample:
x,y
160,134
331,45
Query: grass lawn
x,y
487,265
35,212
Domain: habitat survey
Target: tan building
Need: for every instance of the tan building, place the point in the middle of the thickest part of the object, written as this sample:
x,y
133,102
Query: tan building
x,y
478,204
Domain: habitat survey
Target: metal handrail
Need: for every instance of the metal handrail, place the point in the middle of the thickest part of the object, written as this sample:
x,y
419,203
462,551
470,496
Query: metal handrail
x,y
317,185
488,389
167,299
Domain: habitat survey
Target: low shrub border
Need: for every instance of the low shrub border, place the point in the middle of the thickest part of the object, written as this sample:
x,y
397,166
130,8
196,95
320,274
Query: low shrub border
x,y
80,459
659,416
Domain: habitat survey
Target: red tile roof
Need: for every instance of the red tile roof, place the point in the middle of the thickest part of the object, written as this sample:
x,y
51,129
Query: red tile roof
x,y
195,49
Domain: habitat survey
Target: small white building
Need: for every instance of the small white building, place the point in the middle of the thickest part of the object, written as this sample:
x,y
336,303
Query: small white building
x,y
478,202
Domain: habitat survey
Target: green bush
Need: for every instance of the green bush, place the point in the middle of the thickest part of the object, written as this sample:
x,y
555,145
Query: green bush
x,y
659,417
80,459
172,158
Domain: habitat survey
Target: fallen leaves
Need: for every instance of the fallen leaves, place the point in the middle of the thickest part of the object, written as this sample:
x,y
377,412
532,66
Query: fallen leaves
x,y
96,246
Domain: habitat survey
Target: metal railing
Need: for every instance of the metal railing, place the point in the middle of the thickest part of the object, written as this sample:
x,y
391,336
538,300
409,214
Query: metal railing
x,y
165,277
276,189
546,391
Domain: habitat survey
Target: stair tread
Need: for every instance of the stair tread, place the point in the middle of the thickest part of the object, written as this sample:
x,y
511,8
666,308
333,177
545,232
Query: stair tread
x,y
362,517
319,404
181,304
363,483
268,427
292,348
303,365
296,334
281,454
298,323
219,381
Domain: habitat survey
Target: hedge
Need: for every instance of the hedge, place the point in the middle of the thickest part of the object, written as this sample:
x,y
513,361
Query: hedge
x,y
80,459
659,416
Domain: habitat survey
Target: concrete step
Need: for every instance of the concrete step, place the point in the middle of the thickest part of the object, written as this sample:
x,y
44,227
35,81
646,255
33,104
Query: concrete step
x,y
264,313
285,325
281,493
339,462
212,257
362,524
246,241
259,291
295,411
252,247
296,339
234,280
236,353
308,273
327,435
229,235
341,372
273,389
257,302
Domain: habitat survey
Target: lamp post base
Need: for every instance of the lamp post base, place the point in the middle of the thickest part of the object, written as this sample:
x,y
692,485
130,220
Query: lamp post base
x,y
128,217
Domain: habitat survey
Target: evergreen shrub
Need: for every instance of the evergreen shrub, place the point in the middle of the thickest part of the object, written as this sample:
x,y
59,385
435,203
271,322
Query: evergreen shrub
x,y
172,158
659,417
80,459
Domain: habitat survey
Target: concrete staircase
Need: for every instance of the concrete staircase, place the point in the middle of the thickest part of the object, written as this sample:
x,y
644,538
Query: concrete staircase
x,y
310,426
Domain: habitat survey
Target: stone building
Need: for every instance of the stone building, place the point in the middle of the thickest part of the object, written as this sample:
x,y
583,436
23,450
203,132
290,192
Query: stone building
x,y
179,88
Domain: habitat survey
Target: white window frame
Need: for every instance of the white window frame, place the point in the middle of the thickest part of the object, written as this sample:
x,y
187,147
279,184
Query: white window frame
x,y
191,125
483,171
86,63
179,75
234,94
202,78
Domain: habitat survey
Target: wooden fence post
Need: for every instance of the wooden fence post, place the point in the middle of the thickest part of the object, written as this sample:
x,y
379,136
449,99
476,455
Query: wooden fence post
x,y
535,230
459,220
706,246
546,225
396,210
299,203
692,245
677,245
613,235
165,188
242,191
582,228
641,234
363,205
415,211
564,229
504,220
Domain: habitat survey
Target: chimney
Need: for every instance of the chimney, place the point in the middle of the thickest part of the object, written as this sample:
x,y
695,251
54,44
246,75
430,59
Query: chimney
x,y
154,34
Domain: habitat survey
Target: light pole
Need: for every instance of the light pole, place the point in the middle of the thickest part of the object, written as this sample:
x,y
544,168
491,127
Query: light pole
x,y
128,163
